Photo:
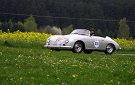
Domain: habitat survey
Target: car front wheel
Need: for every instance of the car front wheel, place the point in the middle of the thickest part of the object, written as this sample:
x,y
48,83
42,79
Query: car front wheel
x,y
109,49
78,47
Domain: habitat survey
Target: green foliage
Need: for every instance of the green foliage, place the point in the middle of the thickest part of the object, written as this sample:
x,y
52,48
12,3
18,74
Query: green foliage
x,y
99,32
67,30
30,24
124,30
19,26
8,31
0,25
10,25
0,31
79,13
38,66
23,63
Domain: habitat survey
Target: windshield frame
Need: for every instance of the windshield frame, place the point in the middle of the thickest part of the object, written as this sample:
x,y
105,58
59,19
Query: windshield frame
x,y
81,32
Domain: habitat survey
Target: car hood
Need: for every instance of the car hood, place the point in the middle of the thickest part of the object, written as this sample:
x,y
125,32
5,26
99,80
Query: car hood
x,y
65,37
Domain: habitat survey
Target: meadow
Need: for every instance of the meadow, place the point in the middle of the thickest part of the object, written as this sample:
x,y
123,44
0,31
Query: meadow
x,y
23,60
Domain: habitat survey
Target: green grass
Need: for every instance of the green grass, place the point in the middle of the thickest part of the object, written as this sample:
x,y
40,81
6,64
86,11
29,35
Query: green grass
x,y
29,64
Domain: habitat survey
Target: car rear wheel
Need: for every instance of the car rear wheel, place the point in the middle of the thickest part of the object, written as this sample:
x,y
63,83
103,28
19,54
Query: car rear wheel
x,y
78,47
109,49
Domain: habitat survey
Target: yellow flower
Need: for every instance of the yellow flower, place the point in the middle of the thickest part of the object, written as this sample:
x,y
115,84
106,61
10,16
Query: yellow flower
x,y
47,75
133,81
51,65
74,65
6,60
54,63
111,80
58,78
0,53
74,75
17,64
27,37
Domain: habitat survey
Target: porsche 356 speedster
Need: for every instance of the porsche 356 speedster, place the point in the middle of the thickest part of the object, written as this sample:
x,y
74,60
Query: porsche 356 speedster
x,y
80,40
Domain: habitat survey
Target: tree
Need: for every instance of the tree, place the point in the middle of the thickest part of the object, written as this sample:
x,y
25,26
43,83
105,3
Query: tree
x,y
30,24
0,26
67,30
10,25
99,32
80,13
19,26
123,29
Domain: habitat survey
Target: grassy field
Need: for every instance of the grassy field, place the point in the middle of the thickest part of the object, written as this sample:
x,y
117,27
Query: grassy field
x,y
39,66
23,60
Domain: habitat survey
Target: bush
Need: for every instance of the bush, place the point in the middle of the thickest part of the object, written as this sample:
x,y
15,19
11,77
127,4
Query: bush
x,y
11,26
50,30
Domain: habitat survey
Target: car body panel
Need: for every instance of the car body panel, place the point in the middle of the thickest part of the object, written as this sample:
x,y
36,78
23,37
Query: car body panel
x,y
90,42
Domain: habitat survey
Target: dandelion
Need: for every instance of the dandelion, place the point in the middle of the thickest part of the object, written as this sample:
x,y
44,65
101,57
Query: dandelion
x,y
74,65
133,81
47,75
6,60
54,63
51,65
74,75
58,78
111,80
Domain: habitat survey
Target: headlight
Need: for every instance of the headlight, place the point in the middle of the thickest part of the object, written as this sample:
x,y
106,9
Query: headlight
x,y
48,40
66,41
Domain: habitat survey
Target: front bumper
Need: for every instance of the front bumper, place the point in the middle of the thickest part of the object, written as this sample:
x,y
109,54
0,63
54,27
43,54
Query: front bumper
x,y
57,47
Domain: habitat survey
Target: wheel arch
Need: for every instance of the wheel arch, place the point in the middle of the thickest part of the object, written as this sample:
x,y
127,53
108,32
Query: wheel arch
x,y
112,45
81,42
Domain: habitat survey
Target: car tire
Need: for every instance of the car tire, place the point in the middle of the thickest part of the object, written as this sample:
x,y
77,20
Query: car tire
x,y
109,49
78,47
87,51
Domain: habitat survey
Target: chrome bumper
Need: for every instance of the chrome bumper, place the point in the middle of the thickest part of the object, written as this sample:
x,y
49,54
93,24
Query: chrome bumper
x,y
58,47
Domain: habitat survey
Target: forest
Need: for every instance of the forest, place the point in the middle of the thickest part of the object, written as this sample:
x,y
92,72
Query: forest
x,y
85,14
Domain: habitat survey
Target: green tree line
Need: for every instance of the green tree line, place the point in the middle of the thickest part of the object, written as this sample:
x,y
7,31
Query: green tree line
x,y
88,9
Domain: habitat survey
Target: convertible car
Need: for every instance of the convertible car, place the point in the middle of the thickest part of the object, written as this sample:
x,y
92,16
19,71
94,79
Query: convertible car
x,y
80,40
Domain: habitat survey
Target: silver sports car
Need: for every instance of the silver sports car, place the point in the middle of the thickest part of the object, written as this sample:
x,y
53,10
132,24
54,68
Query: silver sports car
x,y
80,40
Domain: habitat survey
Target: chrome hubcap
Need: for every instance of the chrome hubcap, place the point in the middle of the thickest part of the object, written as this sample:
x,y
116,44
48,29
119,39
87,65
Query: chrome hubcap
x,y
110,48
78,47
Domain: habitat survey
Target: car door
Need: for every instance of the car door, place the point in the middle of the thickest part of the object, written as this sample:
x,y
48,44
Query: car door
x,y
95,43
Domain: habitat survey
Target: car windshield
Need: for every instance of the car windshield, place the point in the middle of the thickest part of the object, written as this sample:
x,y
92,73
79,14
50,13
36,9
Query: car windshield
x,y
81,32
